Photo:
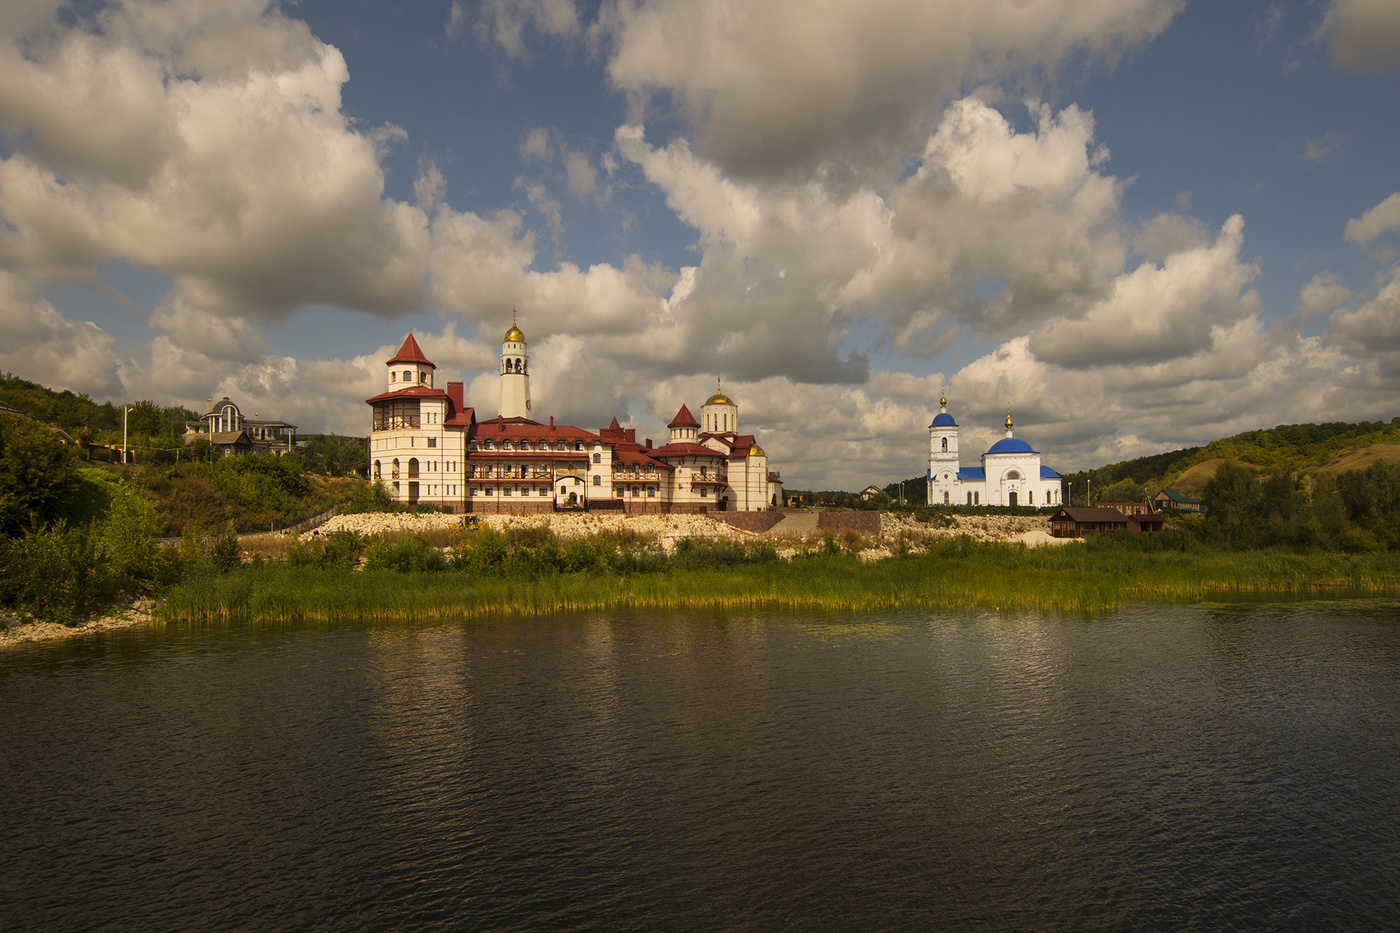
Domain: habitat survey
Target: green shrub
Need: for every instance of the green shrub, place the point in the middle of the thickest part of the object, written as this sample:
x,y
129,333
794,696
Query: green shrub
x,y
55,573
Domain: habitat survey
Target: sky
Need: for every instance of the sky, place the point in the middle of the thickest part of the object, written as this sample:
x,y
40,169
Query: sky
x,y
1138,225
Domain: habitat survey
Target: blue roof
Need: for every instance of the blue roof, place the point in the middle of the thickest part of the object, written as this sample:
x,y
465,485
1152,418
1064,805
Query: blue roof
x,y
1047,473
943,420
972,473
1011,445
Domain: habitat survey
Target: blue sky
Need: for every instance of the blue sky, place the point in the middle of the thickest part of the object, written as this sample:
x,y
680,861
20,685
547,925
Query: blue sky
x,y
1140,225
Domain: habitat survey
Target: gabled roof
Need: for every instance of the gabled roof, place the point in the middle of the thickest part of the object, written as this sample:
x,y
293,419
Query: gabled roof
x,y
409,353
685,449
683,419
1091,514
1175,496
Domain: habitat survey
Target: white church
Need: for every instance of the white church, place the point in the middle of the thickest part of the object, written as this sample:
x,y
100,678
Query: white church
x,y
1011,472
427,446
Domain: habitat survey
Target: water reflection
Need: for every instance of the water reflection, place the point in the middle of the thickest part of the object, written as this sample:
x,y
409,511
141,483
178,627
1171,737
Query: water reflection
x,y
1160,767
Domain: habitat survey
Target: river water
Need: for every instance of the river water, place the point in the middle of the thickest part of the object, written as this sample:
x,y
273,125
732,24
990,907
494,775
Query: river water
x,y
1160,767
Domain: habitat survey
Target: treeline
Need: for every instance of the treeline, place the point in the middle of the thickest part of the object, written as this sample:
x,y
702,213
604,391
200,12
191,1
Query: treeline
x,y
148,425
1359,510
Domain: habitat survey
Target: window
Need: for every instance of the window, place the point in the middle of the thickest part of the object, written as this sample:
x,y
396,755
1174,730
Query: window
x,y
651,468
489,491
945,498
704,490
505,490
561,490
651,492
524,445
945,445
597,458
636,491
618,492
432,442
597,480
422,377
476,490
544,490
486,445
524,490
561,446
393,376
1030,497
969,498
407,376
506,445
976,498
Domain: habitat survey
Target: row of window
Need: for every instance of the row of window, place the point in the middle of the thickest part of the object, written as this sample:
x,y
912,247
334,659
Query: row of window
x,y
525,445
423,378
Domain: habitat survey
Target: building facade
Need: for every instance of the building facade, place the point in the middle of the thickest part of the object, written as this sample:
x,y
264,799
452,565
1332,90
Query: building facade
x,y
1010,473
427,446
224,426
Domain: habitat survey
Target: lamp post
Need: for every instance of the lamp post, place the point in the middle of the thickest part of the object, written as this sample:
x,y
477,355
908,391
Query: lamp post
x,y
125,410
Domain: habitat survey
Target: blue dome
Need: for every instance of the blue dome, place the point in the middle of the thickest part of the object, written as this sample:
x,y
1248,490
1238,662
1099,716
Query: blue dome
x,y
943,420
1011,445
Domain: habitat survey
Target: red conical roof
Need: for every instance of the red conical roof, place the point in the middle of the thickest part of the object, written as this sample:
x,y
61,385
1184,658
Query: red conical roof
x,y
683,419
409,353
615,426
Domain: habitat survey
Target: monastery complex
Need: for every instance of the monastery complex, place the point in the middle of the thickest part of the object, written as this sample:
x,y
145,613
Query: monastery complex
x,y
427,446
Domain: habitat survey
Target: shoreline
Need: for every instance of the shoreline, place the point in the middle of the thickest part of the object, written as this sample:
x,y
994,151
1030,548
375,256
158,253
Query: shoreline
x,y
16,630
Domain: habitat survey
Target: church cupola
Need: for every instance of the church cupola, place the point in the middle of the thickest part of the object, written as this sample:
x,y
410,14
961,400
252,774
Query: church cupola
x,y
409,368
515,373
719,414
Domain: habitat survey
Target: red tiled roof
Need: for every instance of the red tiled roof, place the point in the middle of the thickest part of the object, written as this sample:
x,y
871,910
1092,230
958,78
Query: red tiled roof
x,y
410,392
684,449
683,419
409,353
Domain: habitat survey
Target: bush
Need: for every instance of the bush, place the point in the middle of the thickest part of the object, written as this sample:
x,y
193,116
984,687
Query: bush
x,y
54,574
226,553
405,554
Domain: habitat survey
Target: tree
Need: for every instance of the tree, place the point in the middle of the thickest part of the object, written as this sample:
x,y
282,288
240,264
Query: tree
x,y
37,474
1231,502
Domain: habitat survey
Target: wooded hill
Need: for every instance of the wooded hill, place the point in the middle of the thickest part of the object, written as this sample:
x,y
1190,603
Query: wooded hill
x,y
1332,448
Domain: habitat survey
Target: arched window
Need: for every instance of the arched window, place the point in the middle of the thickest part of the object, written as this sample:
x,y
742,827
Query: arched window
x,y
945,445
376,469
1030,497
945,498
597,458
597,480
1014,475
407,376
561,446
393,376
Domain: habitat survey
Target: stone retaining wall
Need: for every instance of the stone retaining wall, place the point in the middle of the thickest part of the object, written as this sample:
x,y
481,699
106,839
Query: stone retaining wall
x,y
754,522
866,523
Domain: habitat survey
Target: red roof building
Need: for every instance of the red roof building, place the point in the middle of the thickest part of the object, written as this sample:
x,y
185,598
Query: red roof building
x,y
427,446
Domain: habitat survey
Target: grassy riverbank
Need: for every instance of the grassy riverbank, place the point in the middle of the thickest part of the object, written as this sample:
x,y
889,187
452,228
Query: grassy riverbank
x,y
956,574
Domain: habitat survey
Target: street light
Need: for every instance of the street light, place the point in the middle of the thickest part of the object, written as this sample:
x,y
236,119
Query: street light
x,y
125,410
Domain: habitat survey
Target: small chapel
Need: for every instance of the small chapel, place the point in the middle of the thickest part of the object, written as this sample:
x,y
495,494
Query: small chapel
x,y
428,446
1010,473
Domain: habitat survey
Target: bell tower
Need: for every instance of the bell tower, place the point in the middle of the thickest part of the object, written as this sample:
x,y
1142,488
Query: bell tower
x,y
942,455
515,374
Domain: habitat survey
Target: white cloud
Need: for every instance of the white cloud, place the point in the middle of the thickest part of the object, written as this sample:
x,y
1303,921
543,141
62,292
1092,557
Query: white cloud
x,y
1382,218
1371,332
1158,312
787,84
37,342
507,22
1362,35
206,142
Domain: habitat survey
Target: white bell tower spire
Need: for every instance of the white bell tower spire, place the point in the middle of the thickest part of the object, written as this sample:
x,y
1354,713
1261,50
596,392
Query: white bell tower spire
x,y
515,374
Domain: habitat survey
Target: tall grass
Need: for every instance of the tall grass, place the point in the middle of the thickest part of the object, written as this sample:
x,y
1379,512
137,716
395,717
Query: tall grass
x,y
954,574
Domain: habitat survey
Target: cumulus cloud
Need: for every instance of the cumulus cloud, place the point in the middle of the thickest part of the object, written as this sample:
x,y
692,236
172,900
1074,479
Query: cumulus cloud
x,y
1371,332
782,85
1362,35
1158,312
1382,218
39,343
205,141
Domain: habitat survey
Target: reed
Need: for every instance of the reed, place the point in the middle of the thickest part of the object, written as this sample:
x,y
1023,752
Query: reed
x,y
954,575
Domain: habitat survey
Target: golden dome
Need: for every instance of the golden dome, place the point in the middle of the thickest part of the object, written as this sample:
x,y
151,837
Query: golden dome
x,y
719,398
1008,419
756,451
514,335
944,400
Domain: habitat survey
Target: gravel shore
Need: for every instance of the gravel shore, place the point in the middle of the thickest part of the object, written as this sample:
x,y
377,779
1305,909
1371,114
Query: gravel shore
x,y
16,630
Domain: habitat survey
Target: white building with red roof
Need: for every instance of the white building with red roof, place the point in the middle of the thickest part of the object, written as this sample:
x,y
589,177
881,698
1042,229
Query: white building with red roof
x,y
427,446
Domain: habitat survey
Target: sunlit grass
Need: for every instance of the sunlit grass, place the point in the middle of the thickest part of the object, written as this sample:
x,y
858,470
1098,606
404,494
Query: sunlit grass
x,y
957,574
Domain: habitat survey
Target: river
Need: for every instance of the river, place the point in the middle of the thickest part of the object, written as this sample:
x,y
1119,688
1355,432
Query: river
x,y
1160,767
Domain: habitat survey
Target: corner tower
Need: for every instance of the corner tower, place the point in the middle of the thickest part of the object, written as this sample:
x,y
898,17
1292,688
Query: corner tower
x,y
515,374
